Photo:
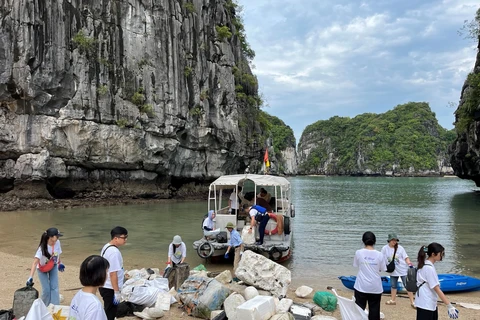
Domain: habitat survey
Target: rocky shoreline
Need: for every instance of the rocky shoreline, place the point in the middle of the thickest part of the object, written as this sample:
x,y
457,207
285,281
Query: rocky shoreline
x,y
14,203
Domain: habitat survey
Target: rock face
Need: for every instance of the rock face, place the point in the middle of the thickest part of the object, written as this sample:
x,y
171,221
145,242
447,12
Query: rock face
x,y
465,151
136,96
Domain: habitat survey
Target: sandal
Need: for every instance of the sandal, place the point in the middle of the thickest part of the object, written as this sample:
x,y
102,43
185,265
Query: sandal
x,y
391,302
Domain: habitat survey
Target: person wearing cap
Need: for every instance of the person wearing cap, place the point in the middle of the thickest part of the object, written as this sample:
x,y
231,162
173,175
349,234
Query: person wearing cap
x,y
177,252
47,262
235,242
110,291
402,262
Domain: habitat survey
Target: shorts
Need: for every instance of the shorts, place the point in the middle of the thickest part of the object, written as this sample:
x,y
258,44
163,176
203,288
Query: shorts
x,y
394,281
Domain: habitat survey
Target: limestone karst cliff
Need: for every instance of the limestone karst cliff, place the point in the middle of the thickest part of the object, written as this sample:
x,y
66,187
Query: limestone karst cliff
x,y
405,141
142,97
465,150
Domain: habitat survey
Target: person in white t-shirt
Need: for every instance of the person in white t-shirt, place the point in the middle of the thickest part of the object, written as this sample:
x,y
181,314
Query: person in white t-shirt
x,y
47,262
110,291
234,201
402,262
85,304
428,285
368,284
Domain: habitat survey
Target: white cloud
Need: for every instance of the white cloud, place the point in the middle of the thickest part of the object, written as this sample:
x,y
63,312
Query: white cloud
x,y
321,59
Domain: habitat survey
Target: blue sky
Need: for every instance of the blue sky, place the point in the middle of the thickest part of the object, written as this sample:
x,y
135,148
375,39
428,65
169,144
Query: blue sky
x,y
319,58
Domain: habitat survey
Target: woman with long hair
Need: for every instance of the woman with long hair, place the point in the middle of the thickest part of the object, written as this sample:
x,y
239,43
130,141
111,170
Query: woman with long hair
x,y
47,262
428,285
368,284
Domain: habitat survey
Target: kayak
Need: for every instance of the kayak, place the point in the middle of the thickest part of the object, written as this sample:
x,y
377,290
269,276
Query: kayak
x,y
448,283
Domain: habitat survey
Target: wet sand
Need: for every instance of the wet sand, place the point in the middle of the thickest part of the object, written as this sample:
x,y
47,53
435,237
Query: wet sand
x,y
14,272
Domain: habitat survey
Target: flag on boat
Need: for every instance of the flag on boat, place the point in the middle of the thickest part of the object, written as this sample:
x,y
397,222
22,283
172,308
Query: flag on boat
x,y
265,159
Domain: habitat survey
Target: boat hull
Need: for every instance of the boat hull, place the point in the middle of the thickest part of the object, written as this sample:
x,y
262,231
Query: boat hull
x,y
448,283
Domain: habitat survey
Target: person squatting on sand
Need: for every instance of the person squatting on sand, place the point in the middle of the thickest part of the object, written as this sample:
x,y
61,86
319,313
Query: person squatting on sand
x,y
47,262
428,285
110,291
368,284
85,304
402,263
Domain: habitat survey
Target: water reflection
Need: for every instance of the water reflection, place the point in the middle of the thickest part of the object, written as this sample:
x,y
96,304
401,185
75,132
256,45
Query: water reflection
x,y
465,208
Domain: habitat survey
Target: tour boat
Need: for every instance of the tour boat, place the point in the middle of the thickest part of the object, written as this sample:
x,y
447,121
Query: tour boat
x,y
277,244
448,283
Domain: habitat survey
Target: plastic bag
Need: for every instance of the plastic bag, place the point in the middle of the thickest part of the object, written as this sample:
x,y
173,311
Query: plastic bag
x,y
200,267
326,300
38,311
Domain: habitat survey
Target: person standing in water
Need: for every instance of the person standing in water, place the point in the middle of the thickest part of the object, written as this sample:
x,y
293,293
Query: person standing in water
x,y
47,262
428,285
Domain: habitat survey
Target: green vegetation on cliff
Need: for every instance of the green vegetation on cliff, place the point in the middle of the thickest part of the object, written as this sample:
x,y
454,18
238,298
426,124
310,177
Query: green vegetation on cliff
x,y
281,134
407,136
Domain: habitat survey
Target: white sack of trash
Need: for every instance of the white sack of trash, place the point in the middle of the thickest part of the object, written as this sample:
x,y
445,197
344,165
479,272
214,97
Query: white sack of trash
x,y
140,290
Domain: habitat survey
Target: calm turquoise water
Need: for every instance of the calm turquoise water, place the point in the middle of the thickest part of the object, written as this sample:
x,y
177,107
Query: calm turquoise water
x,y
332,214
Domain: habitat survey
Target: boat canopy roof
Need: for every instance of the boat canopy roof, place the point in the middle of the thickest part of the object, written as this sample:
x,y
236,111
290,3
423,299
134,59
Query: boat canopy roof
x,y
258,179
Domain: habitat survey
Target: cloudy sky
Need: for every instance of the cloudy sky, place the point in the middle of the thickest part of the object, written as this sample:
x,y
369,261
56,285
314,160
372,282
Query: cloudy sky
x,y
319,58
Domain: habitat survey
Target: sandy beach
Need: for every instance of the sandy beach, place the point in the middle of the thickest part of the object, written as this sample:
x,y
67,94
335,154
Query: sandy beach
x,y
15,269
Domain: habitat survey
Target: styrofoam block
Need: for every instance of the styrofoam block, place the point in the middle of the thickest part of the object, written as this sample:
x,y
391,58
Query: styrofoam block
x,y
300,312
257,308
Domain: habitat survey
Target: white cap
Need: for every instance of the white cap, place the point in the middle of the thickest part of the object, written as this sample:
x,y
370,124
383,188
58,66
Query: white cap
x,y
177,239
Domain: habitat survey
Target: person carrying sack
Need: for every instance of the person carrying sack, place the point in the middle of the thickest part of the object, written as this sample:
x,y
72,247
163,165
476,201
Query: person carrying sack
x,y
401,262
47,262
258,214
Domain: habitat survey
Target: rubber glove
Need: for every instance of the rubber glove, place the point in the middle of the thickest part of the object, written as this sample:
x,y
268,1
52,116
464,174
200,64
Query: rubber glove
x,y
226,255
452,312
30,282
116,298
61,267
229,210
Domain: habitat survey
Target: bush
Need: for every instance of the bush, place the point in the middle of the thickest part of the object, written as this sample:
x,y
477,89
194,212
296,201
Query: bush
x,y
102,90
190,7
84,43
147,109
122,123
138,98
223,32
187,71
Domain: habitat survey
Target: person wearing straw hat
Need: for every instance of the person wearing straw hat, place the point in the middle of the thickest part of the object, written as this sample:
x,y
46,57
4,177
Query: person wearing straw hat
x,y
402,262
237,243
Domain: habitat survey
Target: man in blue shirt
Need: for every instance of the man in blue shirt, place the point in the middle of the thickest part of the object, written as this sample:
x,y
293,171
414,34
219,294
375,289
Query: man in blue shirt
x,y
237,243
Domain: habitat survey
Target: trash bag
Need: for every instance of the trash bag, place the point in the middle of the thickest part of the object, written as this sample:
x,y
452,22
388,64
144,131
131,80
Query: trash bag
x,y
200,267
326,300
38,311
6,314
23,299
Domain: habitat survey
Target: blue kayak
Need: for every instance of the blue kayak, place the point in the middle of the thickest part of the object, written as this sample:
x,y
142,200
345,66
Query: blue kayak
x,y
448,283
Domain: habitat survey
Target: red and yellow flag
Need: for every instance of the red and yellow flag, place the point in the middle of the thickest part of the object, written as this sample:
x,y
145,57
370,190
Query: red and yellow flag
x,y
265,159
